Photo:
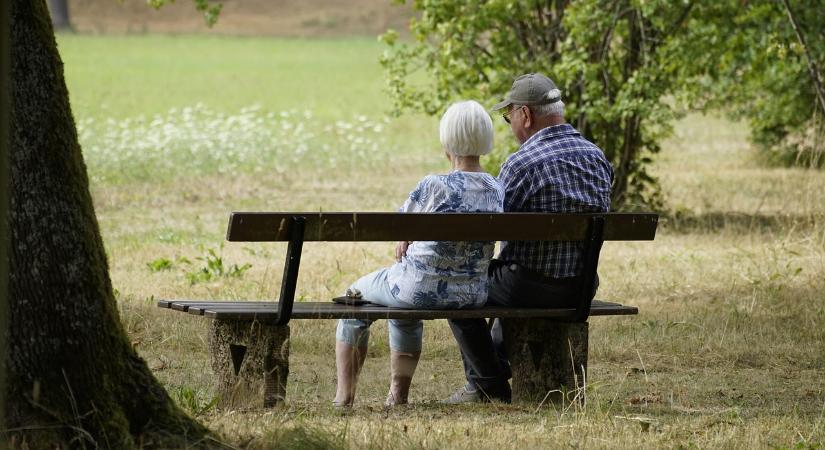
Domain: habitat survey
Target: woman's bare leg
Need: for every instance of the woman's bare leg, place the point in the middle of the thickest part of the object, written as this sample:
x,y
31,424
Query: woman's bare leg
x,y
348,363
402,369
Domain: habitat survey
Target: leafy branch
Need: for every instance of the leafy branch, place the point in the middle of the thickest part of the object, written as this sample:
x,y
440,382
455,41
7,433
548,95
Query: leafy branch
x,y
210,9
814,71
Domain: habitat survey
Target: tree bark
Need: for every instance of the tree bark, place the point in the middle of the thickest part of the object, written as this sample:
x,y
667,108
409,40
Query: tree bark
x,y
5,113
73,377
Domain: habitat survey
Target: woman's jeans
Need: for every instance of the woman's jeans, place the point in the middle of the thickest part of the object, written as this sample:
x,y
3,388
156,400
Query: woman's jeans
x,y
406,335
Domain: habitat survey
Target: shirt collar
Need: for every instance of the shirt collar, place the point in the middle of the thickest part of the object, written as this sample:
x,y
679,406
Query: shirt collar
x,y
552,132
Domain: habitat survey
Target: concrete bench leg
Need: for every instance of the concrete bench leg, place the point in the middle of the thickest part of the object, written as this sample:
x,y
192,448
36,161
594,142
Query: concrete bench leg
x,y
251,362
546,357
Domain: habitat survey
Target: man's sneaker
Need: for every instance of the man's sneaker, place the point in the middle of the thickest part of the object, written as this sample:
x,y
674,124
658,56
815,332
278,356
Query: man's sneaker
x,y
464,395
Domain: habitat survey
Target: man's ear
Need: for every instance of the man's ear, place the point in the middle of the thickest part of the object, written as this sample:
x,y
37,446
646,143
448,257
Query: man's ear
x,y
528,117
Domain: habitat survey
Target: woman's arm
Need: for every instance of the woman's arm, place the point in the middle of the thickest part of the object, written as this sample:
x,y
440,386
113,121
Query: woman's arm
x,y
417,201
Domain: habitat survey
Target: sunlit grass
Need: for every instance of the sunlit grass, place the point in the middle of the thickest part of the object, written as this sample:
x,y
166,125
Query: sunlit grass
x,y
708,166
132,75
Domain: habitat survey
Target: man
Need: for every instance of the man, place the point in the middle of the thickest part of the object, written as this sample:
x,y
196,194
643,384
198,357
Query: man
x,y
555,170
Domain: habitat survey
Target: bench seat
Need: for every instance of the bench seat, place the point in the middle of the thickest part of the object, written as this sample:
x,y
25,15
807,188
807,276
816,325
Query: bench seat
x,y
268,311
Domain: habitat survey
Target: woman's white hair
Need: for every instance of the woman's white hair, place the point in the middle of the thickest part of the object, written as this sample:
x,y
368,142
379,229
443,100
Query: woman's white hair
x,y
466,129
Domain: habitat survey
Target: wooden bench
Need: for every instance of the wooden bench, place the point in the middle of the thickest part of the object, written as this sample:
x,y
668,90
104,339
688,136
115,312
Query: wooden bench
x,y
249,340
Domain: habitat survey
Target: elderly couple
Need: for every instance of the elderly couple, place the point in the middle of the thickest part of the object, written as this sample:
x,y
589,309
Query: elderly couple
x,y
554,170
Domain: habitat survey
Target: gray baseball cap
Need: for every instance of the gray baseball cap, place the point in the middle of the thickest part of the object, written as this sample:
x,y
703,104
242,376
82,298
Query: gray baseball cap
x,y
531,89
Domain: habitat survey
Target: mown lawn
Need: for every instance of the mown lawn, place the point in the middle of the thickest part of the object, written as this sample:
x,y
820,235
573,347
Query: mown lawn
x,y
727,352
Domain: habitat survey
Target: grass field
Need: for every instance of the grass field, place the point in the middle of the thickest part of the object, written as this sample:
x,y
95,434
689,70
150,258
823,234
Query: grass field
x,y
728,350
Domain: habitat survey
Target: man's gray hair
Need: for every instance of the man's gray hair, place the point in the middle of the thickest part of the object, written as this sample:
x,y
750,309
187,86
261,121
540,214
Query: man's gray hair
x,y
550,109
466,129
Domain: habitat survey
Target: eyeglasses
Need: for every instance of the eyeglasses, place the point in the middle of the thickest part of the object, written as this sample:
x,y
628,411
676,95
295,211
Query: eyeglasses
x,y
506,116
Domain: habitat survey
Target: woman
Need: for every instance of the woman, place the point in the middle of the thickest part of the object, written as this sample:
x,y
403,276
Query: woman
x,y
428,275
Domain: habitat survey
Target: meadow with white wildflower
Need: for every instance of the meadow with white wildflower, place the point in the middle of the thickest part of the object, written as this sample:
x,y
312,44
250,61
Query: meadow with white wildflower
x,y
196,140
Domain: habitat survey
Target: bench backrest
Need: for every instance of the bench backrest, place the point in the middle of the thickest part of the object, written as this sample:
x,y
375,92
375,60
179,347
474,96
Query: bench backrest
x,y
299,227
352,226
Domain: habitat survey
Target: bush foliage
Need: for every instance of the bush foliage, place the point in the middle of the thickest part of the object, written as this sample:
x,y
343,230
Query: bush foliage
x,y
756,63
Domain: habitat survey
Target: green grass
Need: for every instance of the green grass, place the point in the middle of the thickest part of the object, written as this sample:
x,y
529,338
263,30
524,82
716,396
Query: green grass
x,y
126,76
728,350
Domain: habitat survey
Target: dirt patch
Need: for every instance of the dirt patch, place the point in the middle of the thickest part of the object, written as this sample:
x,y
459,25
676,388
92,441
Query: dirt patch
x,y
288,18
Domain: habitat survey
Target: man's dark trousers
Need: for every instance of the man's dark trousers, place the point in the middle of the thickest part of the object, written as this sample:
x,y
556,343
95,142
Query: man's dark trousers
x,y
482,347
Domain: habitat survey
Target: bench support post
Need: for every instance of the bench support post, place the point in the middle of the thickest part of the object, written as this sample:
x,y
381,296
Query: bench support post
x,y
590,264
251,362
548,359
296,226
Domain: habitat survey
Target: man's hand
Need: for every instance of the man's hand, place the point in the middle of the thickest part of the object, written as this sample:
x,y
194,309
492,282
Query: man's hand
x,y
401,249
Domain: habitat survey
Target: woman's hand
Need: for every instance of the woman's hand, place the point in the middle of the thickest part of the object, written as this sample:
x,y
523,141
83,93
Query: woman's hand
x,y
401,249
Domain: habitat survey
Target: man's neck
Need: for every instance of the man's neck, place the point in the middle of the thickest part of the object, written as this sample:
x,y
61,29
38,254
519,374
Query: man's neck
x,y
540,123
549,121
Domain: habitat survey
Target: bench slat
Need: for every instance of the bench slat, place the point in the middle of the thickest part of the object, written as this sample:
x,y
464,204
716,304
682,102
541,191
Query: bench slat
x,y
349,227
264,311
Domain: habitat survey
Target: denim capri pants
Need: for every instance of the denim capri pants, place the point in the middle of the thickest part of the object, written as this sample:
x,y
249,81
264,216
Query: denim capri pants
x,y
406,335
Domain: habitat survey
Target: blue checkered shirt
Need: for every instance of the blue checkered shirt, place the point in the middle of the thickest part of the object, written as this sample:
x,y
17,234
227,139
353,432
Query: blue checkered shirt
x,y
557,171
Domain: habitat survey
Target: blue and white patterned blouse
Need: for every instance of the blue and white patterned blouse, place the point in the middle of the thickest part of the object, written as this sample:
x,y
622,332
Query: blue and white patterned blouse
x,y
446,274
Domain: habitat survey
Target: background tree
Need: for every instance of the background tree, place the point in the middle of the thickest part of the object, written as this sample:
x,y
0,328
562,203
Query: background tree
x,y
209,8
625,67
73,378
604,55
59,11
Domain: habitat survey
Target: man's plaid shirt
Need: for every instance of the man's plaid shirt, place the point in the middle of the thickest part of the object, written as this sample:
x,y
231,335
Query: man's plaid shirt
x,y
558,171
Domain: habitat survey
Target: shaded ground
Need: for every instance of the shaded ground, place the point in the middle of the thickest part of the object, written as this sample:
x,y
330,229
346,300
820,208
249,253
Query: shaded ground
x,y
293,18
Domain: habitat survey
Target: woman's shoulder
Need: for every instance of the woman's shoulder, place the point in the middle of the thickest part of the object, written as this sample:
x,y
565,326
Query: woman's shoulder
x,y
487,178
426,188
483,179
431,182
458,181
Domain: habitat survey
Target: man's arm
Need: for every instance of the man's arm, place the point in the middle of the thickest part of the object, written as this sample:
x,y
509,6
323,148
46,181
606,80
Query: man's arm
x,y
516,183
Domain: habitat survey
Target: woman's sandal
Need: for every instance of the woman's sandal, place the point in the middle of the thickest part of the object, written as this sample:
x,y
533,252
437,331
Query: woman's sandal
x,y
352,298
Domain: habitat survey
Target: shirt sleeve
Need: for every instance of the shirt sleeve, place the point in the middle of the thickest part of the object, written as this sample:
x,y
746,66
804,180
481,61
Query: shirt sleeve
x,y
419,198
516,183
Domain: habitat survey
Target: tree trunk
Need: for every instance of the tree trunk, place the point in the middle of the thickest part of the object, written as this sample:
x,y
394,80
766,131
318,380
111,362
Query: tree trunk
x,y
73,378
59,10
250,360
548,360
5,114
